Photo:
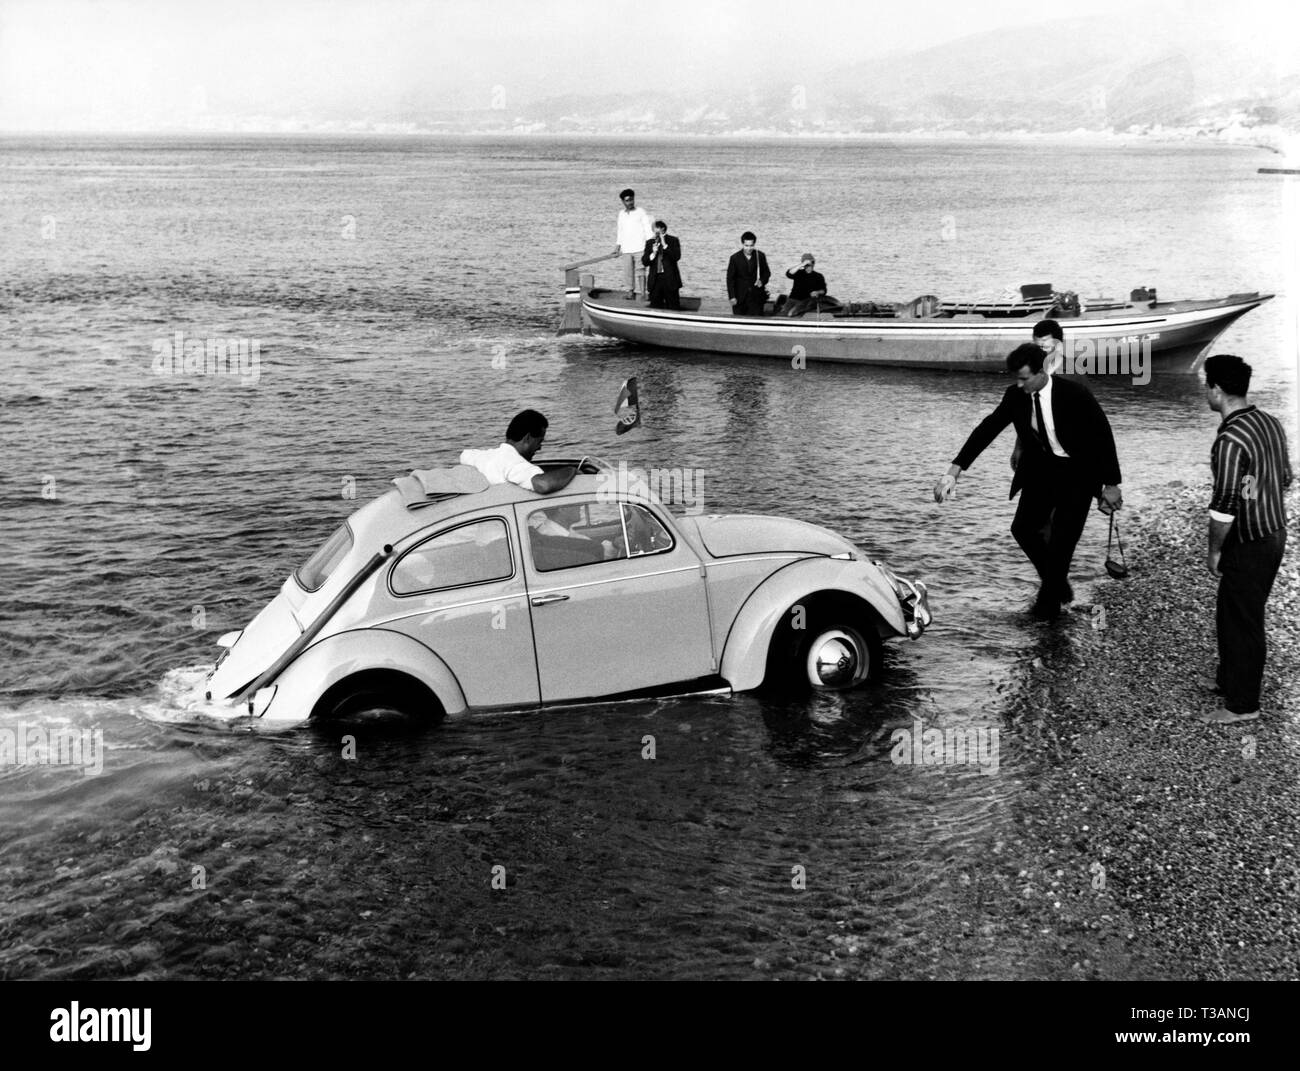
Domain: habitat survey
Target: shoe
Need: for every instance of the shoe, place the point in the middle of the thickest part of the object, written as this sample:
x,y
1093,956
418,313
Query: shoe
x,y
1224,716
1046,608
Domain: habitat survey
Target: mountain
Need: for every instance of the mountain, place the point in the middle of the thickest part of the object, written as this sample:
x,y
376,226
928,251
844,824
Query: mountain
x,y
1095,73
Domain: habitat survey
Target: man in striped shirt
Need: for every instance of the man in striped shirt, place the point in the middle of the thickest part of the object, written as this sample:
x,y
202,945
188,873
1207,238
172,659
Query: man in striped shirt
x,y
1247,532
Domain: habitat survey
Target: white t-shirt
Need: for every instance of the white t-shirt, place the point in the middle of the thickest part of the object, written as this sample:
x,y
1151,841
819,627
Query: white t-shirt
x,y
502,465
635,228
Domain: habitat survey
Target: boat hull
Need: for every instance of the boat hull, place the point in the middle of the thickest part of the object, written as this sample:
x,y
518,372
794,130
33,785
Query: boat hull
x,y
1170,332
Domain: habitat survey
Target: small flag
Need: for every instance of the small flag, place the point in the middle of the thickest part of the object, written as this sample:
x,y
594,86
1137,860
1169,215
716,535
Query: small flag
x,y
627,408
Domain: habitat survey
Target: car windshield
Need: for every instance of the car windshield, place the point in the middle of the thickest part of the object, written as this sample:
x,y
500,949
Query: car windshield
x,y
321,564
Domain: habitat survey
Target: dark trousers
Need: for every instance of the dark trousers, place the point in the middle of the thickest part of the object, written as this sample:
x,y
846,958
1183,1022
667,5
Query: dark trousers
x,y
1054,504
663,295
1248,572
750,303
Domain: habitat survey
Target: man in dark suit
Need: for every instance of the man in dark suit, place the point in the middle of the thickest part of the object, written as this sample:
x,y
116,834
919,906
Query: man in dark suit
x,y
662,252
1068,460
747,276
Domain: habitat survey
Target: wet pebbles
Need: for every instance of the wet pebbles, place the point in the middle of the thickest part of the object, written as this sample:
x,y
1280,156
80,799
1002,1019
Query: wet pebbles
x,y
1150,845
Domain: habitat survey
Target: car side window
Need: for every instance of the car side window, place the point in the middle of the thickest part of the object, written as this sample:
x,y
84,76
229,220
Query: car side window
x,y
584,533
474,553
575,533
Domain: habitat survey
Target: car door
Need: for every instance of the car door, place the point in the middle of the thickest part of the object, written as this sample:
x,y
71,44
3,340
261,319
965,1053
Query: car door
x,y
461,592
618,601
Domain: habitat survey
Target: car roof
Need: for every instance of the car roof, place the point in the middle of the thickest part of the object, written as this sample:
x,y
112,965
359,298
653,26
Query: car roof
x,y
388,518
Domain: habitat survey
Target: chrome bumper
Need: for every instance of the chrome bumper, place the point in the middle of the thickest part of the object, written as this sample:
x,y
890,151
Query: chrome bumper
x,y
913,599
916,607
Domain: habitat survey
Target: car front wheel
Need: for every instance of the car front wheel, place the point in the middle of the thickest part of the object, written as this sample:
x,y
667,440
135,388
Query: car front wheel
x,y
836,659
833,653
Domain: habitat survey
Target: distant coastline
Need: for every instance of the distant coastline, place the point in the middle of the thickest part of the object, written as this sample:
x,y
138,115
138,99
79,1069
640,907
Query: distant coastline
x,y
1272,139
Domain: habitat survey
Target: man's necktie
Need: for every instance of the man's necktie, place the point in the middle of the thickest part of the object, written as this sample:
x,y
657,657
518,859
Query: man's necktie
x,y
1042,424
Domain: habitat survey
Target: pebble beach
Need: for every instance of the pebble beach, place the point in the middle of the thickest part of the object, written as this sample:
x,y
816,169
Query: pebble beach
x,y
1155,847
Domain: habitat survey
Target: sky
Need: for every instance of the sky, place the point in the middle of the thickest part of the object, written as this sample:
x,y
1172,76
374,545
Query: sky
x,y
159,64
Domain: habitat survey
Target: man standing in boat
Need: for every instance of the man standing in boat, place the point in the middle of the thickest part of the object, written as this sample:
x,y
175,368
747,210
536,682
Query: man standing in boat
x,y
747,276
634,230
1049,338
662,252
1068,460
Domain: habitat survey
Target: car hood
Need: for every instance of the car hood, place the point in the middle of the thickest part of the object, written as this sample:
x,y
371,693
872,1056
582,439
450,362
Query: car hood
x,y
742,533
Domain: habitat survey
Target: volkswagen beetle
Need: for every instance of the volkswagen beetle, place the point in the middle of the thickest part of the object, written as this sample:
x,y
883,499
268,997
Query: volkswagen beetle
x,y
446,594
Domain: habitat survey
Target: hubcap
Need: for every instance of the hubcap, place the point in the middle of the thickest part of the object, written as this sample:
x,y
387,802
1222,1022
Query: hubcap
x,y
835,660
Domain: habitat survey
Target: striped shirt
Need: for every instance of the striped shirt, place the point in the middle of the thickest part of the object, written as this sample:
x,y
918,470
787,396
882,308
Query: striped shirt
x,y
1251,470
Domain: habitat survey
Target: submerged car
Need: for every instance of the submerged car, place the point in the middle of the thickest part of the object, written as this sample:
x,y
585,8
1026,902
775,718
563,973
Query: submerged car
x,y
446,594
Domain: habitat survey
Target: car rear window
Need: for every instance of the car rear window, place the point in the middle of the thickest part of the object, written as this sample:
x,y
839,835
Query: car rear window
x,y
320,565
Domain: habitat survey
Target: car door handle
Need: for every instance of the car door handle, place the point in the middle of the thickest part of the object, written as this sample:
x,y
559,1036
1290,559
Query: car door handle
x,y
555,596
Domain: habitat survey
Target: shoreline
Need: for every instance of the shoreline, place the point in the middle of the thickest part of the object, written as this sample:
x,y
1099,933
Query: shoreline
x,y
1083,137
1147,845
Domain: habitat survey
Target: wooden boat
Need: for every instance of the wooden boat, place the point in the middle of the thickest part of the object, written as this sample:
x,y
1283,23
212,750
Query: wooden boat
x,y
1112,336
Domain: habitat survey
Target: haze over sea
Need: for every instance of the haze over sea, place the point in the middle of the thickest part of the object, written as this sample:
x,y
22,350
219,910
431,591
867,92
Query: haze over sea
x,y
404,294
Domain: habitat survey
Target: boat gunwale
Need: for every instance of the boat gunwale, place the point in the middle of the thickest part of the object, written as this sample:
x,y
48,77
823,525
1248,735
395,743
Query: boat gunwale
x,y
772,325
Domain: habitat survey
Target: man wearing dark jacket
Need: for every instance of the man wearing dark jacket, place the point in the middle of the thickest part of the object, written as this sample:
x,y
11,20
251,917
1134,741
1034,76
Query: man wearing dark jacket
x,y
1068,460
807,287
747,276
662,252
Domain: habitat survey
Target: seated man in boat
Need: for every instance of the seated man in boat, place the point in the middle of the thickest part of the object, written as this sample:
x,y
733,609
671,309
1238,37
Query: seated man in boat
x,y
512,461
807,287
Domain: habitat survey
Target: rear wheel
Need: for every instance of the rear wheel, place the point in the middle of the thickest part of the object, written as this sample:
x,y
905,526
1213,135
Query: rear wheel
x,y
379,694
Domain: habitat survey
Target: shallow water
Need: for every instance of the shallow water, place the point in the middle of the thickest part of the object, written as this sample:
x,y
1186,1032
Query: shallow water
x,y
404,295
